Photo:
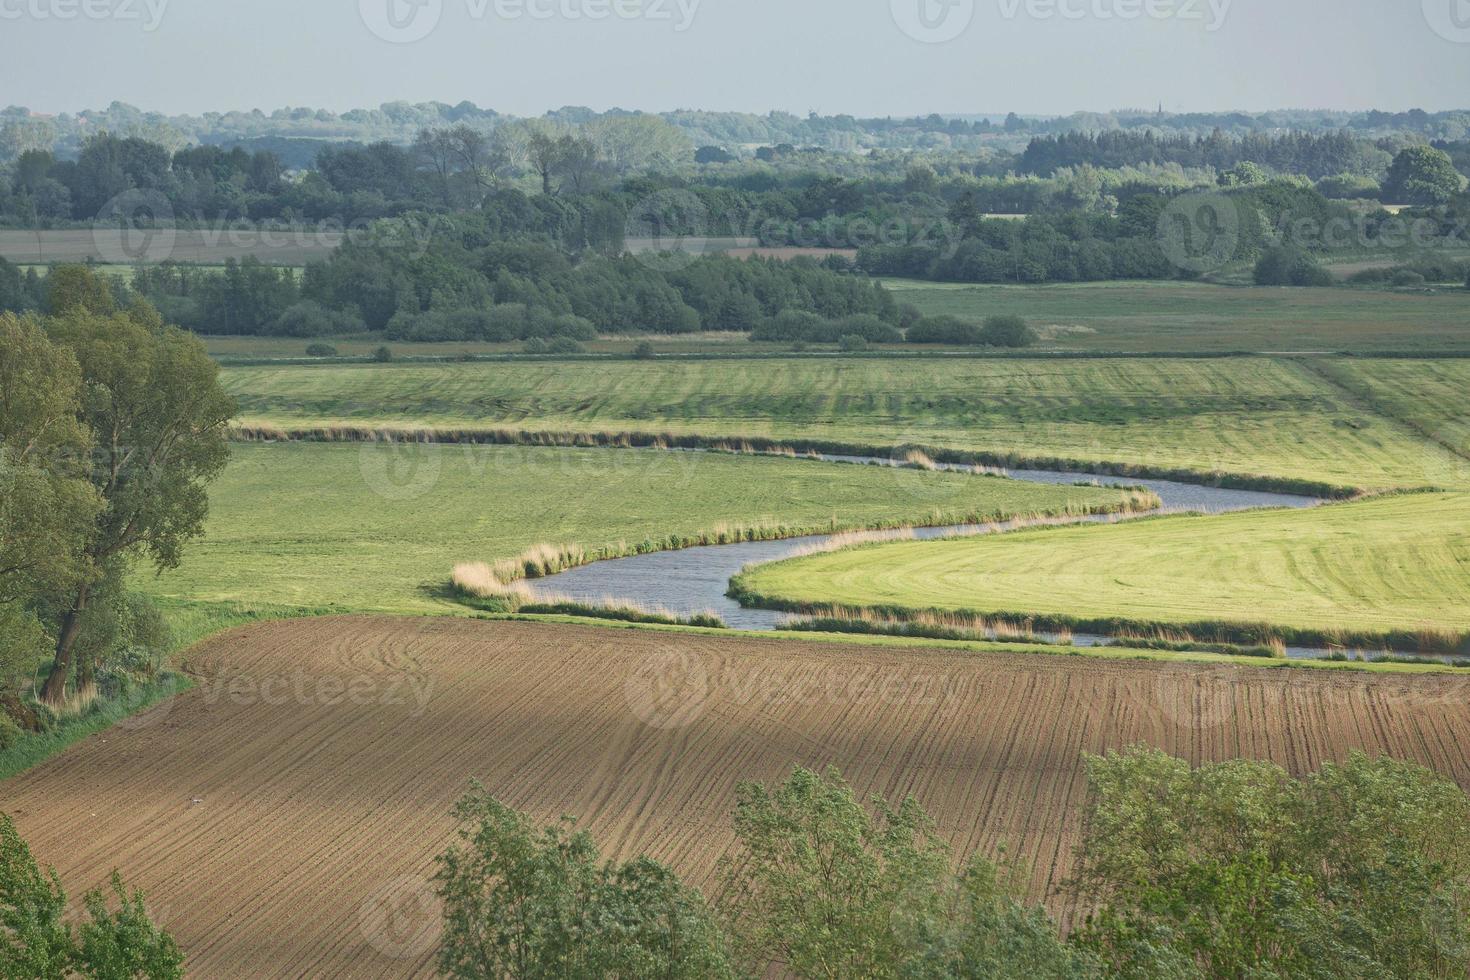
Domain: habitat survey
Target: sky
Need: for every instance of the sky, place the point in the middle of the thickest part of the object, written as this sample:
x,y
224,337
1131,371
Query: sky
x,y
864,57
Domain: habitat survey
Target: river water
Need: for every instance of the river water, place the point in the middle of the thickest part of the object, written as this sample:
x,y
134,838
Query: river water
x,y
695,580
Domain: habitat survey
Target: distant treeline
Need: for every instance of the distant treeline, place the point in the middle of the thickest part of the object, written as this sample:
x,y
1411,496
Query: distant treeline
x,y
400,122
1311,155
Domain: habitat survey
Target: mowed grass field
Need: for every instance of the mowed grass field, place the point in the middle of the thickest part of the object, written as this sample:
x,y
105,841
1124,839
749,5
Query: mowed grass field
x,y
1250,416
1432,397
283,815
1392,563
374,527
1200,317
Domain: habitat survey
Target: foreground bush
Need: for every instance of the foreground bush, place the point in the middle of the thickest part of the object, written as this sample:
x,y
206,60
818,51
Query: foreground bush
x,y
1240,870
36,941
1232,870
526,902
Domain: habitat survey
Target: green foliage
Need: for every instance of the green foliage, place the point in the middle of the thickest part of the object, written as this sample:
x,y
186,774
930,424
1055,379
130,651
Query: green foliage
x,y
1422,175
826,889
1358,870
528,903
46,502
320,350
36,942
382,355
125,943
852,343
1288,266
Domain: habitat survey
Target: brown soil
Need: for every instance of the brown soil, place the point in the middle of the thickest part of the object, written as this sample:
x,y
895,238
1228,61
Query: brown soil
x,y
283,815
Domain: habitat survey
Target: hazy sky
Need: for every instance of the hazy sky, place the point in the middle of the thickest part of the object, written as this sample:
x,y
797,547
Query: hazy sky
x,y
867,57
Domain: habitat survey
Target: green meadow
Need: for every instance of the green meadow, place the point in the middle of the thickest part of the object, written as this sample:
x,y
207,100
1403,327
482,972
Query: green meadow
x,y
1202,317
334,528
1397,564
1246,416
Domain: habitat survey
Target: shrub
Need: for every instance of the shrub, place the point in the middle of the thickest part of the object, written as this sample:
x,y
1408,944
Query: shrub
x,y
1288,266
851,343
1008,331
1407,277
321,350
309,319
946,330
540,902
37,941
643,351
383,355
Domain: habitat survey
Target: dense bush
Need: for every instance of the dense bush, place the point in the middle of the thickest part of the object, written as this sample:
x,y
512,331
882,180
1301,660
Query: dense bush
x,y
320,350
1287,266
996,331
39,939
795,325
1235,869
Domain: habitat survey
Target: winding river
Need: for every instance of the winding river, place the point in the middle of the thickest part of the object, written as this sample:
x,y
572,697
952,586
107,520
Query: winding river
x,y
695,579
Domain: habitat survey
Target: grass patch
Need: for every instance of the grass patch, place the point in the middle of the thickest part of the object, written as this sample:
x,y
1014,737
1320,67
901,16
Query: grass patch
x,y
1186,317
1389,573
341,528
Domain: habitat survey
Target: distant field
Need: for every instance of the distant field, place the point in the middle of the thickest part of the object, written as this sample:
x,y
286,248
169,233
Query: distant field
x,y
1394,563
1196,317
210,246
373,528
1248,416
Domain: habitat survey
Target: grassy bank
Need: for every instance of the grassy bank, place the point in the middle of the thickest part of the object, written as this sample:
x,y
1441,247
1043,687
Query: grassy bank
x,y
1248,418
1390,572
378,528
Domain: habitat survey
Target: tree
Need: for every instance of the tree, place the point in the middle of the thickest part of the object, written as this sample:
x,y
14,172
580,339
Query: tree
x,y
71,288
1238,869
36,941
153,403
47,504
827,889
524,902
1421,175
818,883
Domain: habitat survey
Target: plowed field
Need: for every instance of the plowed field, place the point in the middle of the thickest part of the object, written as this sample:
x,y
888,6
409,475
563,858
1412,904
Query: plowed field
x,y
284,814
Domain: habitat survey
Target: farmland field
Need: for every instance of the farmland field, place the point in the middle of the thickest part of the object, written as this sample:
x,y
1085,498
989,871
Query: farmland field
x,y
1198,317
1246,416
1395,563
379,528
312,768
207,247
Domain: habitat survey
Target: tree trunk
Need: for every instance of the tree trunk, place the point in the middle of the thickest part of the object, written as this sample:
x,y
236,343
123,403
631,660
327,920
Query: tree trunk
x,y
54,691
